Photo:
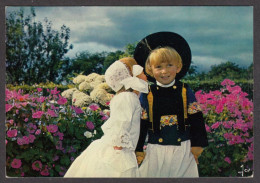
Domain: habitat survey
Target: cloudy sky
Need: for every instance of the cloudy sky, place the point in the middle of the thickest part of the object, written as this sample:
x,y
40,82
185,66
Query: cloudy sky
x,y
215,34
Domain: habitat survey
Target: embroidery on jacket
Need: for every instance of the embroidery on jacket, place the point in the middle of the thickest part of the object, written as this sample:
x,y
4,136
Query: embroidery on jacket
x,y
168,120
194,108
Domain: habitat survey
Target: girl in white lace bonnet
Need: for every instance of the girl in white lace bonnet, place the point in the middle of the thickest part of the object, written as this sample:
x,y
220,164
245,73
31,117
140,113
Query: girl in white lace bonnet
x,y
113,155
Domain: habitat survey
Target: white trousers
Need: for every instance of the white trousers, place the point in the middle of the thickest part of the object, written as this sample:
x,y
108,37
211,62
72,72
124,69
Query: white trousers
x,y
169,161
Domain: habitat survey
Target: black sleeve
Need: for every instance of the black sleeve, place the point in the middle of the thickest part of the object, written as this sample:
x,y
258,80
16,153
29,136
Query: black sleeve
x,y
198,134
142,136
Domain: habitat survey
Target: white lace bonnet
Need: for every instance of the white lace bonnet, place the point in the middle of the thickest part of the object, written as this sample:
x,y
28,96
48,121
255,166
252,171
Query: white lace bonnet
x,y
117,75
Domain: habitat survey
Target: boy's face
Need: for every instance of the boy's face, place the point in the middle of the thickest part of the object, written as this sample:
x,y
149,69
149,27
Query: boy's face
x,y
165,72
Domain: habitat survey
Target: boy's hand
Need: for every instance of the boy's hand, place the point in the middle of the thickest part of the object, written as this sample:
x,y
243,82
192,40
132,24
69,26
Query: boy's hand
x,y
196,151
140,157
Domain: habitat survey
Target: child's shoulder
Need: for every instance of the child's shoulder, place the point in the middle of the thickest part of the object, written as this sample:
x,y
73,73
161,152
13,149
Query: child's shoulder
x,y
126,96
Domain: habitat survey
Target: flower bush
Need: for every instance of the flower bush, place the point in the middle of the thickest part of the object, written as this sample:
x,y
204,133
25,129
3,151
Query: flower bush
x,y
229,124
89,89
44,134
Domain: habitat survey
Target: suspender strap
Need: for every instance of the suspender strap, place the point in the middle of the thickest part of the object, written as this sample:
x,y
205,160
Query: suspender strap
x,y
184,99
150,103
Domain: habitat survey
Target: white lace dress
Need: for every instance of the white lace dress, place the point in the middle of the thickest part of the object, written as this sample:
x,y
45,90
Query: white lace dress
x,y
100,159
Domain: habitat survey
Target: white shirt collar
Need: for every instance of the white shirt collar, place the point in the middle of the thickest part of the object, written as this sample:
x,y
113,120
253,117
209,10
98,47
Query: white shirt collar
x,y
165,86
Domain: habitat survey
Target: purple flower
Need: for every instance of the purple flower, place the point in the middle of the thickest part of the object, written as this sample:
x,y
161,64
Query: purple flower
x,y
38,114
59,145
94,107
38,132
90,125
72,159
52,128
55,158
31,128
105,117
77,110
37,165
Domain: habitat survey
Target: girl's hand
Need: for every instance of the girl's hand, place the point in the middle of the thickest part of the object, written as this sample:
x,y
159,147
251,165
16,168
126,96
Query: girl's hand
x,y
118,147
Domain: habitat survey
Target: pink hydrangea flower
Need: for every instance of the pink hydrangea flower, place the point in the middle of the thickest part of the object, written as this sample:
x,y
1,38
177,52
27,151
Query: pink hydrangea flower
x,y
52,128
227,82
31,138
215,125
62,101
20,141
207,128
8,107
26,140
12,133
51,113
55,91
38,114
16,163
41,99
26,120
227,159
37,165
39,89
90,125
60,135
31,128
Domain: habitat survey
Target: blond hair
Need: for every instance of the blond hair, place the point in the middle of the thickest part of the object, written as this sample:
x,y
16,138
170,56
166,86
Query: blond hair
x,y
162,55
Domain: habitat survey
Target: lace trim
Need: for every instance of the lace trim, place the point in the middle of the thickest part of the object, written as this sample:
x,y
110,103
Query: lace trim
x,y
122,140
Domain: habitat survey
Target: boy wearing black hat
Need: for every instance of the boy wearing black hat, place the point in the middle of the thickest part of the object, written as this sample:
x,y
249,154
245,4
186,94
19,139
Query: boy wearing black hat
x,y
171,116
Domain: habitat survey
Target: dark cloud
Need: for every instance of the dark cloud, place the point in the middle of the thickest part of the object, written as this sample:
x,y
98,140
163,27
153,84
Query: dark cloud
x,y
216,33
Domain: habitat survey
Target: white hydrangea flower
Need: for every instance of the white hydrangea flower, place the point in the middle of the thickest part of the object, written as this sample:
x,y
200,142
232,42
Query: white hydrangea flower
x,y
100,96
81,99
105,87
79,79
68,93
88,134
91,77
94,84
85,86
100,78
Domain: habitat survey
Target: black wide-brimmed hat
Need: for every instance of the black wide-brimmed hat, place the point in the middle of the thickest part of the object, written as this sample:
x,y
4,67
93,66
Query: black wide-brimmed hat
x,y
163,39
